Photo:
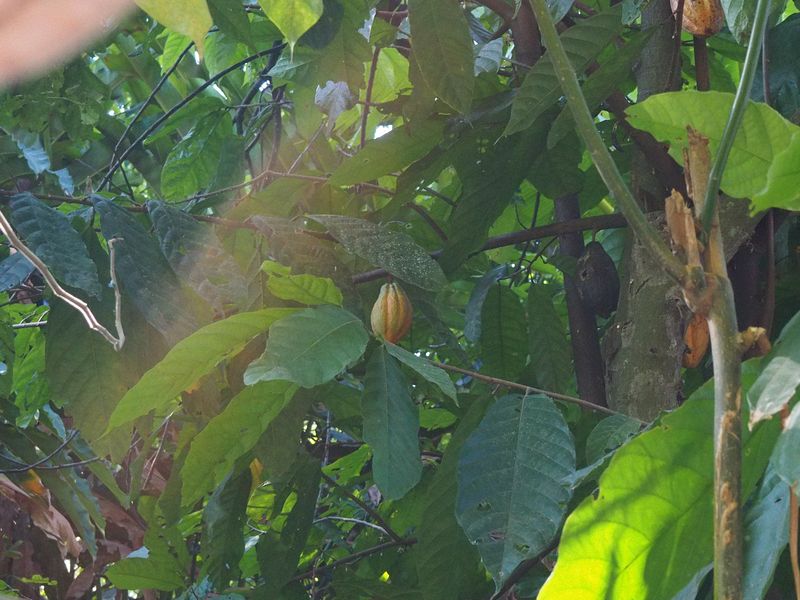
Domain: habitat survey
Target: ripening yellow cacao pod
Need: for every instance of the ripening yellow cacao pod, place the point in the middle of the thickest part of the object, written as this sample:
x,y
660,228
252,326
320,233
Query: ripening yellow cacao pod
x,y
702,18
392,313
696,340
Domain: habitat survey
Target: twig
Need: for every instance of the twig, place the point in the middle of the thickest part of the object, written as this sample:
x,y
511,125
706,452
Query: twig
x,y
41,461
165,427
70,299
149,99
432,192
357,555
160,121
352,520
525,388
376,516
429,220
373,67
737,112
28,325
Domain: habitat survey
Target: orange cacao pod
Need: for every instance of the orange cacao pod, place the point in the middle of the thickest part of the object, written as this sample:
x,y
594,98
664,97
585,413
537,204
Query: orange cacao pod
x,y
392,313
703,18
696,340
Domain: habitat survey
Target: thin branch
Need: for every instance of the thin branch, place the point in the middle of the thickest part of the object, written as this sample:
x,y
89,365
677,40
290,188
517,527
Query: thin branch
x,y
429,220
356,556
199,90
149,99
597,149
737,112
525,388
373,67
70,299
41,461
352,520
425,190
376,516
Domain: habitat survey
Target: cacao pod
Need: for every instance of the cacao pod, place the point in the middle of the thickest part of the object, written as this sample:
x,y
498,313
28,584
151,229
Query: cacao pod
x,y
597,281
392,313
696,340
702,18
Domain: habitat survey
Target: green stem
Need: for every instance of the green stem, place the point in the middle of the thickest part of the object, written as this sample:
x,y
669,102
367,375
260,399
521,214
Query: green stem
x,y
737,112
584,123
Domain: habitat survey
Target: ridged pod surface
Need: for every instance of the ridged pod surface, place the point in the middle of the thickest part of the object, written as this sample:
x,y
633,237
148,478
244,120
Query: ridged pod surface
x,y
392,313
702,18
696,340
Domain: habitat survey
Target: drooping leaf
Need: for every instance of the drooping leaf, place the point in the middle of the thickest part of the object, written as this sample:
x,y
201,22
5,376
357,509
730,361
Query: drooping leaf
x,y
548,346
14,269
780,377
303,288
310,347
230,435
430,372
472,314
655,502
50,235
191,359
150,573
391,425
541,89
223,533
504,342
784,458
189,17
389,153
447,564
293,17
766,527
195,253
395,252
510,501
444,54
144,275
230,17
762,136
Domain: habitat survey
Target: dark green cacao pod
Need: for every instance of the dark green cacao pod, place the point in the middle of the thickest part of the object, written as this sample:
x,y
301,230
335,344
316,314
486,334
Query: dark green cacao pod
x,y
597,280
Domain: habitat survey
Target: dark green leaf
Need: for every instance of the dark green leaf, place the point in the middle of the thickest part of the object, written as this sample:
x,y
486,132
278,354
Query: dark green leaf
x,y
511,494
787,449
504,340
151,573
548,346
608,435
391,425
310,347
230,17
14,270
396,252
472,314
423,367
50,235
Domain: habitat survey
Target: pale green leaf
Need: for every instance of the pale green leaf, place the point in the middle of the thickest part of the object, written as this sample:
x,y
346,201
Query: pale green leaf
x,y
443,49
391,425
424,368
293,17
389,153
511,491
310,347
649,529
396,252
304,288
150,573
190,359
188,17
782,188
763,135
231,434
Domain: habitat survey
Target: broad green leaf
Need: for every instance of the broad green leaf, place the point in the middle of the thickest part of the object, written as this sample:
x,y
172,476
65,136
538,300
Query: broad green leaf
x,y
144,276
472,314
422,366
448,566
281,442
763,135
784,70
230,17
14,269
541,89
656,503
391,425
608,435
780,376
310,347
303,288
230,435
50,235
151,573
189,17
443,50
190,359
787,449
511,494
293,17
389,153
396,252
195,253
223,529
782,188
766,532
548,346
504,340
